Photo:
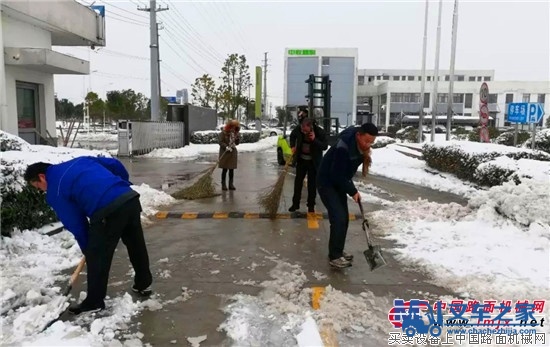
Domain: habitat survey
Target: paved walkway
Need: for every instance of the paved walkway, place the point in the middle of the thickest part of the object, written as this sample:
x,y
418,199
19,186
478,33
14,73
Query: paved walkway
x,y
215,258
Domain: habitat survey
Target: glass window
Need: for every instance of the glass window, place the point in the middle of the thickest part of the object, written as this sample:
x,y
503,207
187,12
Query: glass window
x,y
487,78
541,98
26,96
426,100
325,61
526,97
493,99
386,78
472,78
460,78
410,78
468,100
509,98
361,80
396,78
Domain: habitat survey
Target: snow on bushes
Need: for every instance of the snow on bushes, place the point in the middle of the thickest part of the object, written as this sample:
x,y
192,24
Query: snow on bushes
x,y
542,141
212,136
487,164
24,207
409,134
382,141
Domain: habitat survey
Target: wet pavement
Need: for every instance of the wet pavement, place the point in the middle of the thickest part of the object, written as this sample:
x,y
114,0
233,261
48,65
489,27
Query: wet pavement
x,y
216,258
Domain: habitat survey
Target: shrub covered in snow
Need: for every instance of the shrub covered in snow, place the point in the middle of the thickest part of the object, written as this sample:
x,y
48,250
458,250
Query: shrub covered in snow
x,y
507,138
542,140
484,164
382,141
409,134
24,207
212,136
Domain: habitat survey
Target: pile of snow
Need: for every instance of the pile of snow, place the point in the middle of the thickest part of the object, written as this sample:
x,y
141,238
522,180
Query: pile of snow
x,y
526,203
473,251
536,169
151,199
276,315
193,151
388,162
473,148
382,141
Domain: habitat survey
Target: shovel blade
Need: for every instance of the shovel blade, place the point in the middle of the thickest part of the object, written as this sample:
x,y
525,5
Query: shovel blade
x,y
374,257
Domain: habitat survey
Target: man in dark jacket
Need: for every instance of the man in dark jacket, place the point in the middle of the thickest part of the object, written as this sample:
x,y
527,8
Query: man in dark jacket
x,y
98,189
335,181
308,143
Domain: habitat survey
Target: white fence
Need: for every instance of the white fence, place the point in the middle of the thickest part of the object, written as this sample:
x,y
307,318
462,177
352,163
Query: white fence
x,y
141,137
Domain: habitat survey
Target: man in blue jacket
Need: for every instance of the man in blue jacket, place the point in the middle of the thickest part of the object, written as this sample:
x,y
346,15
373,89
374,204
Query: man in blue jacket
x,y
335,181
99,189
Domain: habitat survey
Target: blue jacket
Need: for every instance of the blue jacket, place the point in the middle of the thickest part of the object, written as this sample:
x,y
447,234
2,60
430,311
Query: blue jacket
x,y
340,163
80,187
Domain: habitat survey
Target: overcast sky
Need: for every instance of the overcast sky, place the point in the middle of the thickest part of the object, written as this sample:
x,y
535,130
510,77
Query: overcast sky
x,y
511,37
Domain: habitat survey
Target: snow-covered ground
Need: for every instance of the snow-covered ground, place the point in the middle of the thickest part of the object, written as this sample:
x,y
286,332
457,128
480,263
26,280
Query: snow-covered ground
x,y
31,264
495,248
193,151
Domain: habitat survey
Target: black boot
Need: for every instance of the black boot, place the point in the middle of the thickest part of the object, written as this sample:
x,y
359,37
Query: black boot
x,y
231,186
224,186
224,174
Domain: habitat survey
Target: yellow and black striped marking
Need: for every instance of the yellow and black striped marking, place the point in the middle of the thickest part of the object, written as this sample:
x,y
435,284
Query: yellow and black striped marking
x,y
312,218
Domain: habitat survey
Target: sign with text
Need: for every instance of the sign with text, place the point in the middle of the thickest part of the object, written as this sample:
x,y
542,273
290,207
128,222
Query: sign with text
x,y
302,52
525,112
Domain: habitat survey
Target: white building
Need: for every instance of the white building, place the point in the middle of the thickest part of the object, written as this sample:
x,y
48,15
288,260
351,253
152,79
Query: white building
x,y
390,94
341,66
28,30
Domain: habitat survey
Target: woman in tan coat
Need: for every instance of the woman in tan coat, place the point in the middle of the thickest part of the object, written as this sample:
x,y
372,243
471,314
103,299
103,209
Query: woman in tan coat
x,y
229,139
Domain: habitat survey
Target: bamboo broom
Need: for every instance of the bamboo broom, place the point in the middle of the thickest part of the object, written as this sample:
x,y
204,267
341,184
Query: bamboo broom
x,y
203,188
270,198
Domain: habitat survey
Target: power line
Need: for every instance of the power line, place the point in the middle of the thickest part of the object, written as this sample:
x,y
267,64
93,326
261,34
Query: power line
x,y
207,55
122,9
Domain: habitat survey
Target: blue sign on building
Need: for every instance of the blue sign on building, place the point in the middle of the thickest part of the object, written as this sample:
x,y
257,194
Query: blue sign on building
x,y
525,112
171,99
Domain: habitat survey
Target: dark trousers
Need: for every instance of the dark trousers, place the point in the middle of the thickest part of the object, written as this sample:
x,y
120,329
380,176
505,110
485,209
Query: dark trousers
x,y
224,174
124,223
303,168
338,214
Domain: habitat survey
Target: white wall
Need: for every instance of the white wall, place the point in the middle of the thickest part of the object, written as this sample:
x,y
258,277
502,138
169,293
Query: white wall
x,y
20,34
46,100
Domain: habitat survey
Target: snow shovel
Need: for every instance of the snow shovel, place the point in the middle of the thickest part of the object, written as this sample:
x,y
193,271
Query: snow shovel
x,y
374,253
58,303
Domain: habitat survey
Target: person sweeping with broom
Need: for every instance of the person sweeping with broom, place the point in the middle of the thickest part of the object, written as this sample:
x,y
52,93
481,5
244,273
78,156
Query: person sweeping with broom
x,y
335,181
229,139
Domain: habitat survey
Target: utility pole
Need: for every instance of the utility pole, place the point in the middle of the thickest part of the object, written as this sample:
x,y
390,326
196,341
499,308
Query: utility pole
x,y
452,73
155,79
264,102
158,58
436,73
423,82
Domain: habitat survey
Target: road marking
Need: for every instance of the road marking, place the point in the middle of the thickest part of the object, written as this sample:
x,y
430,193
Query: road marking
x,y
326,330
189,215
161,214
311,217
312,221
316,294
220,215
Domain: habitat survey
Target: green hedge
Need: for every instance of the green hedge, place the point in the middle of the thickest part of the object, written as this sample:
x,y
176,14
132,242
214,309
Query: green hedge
x,y
213,137
542,140
454,160
23,207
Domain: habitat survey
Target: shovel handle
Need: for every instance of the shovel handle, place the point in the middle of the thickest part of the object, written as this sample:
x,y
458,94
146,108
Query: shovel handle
x,y
77,271
365,220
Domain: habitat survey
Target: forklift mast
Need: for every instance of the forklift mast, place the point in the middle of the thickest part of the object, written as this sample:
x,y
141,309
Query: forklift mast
x,y
319,97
